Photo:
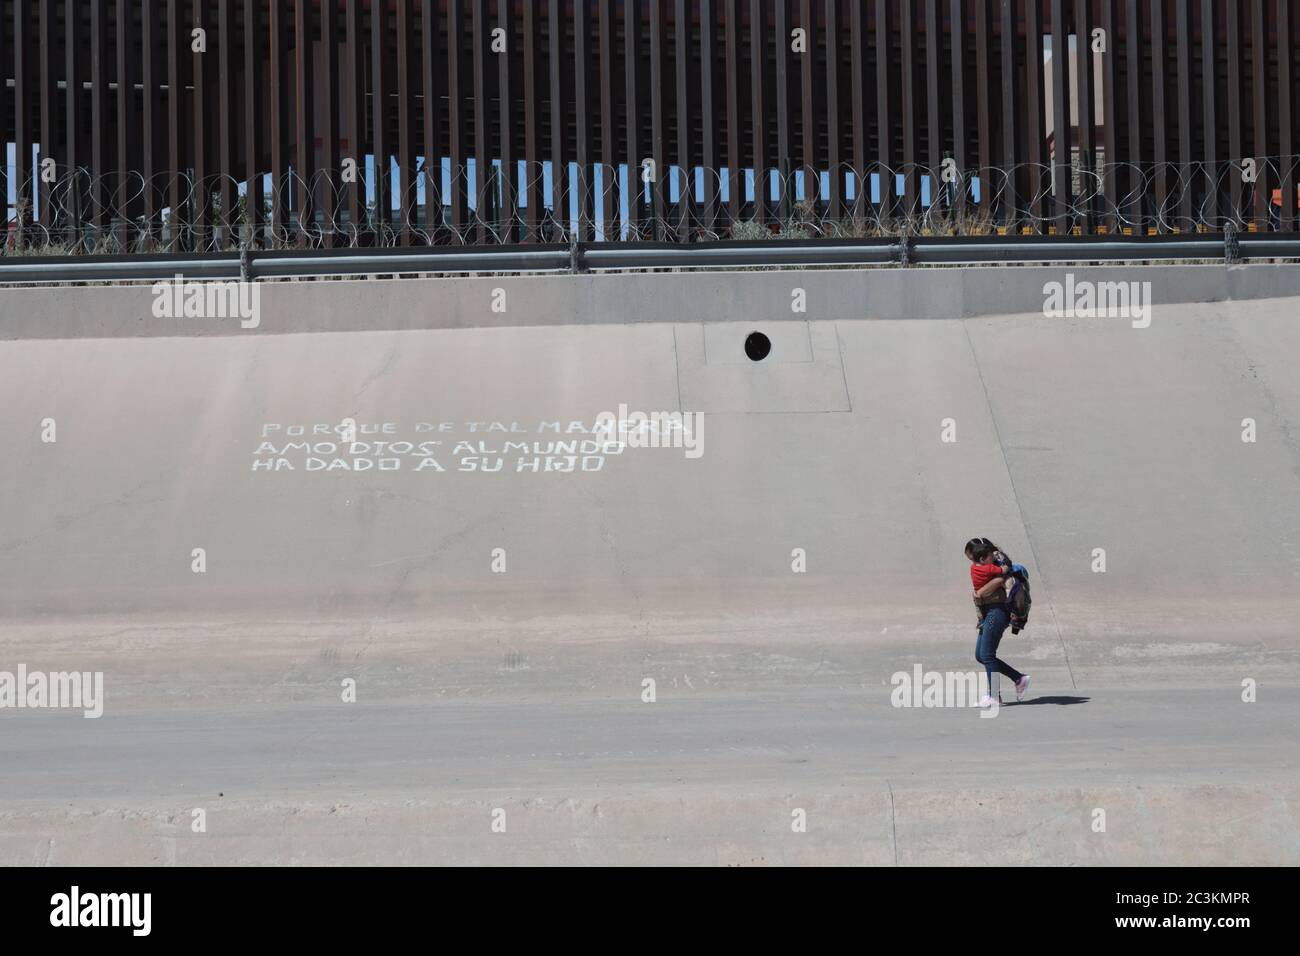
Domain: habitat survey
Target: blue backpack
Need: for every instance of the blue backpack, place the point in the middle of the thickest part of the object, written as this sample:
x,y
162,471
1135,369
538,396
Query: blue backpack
x,y
1019,599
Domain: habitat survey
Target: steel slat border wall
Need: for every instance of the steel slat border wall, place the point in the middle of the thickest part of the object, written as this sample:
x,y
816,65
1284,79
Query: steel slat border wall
x,y
448,136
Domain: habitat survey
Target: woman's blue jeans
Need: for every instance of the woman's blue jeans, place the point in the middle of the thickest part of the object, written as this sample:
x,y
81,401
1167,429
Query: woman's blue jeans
x,y
995,621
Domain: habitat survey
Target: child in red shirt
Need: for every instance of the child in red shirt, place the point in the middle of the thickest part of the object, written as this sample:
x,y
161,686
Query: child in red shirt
x,y
982,574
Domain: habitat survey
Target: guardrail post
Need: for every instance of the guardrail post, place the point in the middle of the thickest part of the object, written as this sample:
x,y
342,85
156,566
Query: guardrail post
x,y
576,264
1231,244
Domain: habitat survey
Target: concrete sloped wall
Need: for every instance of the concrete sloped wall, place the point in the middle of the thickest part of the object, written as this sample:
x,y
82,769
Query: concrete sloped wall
x,y
1071,435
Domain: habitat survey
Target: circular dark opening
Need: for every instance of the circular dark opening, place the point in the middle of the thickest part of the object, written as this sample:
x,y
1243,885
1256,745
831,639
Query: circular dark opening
x,y
757,345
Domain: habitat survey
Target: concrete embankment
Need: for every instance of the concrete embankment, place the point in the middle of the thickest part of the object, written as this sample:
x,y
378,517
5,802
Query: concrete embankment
x,y
500,585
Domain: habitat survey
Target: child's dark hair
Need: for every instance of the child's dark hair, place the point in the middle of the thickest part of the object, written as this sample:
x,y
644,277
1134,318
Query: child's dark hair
x,y
977,549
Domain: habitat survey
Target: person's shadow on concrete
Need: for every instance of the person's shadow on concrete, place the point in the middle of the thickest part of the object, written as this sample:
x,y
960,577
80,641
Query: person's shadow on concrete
x,y
1049,700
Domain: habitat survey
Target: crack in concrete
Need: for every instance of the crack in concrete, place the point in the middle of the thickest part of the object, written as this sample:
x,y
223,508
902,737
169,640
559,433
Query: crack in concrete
x,y
1038,568
893,823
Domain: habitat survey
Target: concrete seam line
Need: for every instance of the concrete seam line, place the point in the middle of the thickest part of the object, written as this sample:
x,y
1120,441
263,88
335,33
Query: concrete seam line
x,y
893,823
844,376
1286,813
677,369
1015,495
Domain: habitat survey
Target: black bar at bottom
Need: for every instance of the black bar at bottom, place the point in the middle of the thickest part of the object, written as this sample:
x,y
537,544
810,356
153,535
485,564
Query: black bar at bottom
x,y
887,906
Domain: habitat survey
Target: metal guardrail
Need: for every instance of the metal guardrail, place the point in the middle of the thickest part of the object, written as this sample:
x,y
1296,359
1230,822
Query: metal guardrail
x,y
900,251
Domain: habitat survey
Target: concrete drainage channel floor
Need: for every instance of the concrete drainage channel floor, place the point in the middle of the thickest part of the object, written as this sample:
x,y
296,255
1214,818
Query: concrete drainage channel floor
x,y
496,588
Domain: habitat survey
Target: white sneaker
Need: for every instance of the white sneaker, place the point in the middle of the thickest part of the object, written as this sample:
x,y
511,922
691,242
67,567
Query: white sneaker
x,y
986,701
1022,685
